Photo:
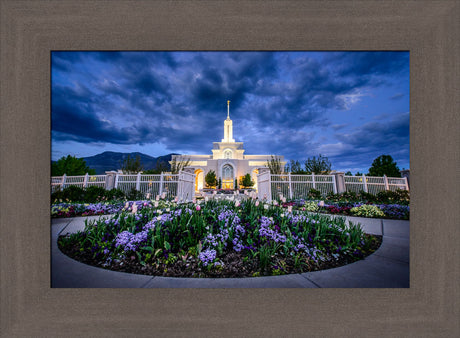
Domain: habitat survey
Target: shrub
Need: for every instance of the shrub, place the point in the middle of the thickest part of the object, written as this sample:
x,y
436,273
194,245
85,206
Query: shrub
x,y
57,195
114,194
94,194
73,193
314,194
366,196
366,210
311,206
390,197
134,195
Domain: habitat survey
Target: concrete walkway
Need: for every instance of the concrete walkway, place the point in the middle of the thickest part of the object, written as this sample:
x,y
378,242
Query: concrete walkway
x,y
388,267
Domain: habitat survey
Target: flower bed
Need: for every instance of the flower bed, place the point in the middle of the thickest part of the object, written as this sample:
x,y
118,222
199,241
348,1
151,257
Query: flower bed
x,y
217,239
360,209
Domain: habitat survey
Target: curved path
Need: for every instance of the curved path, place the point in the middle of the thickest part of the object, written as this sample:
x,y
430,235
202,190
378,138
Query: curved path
x,y
388,267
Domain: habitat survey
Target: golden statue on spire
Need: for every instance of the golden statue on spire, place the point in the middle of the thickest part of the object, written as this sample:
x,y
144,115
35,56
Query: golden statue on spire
x,y
228,102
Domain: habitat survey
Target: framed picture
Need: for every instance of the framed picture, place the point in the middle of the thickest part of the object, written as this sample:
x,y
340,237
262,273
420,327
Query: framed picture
x,y
31,31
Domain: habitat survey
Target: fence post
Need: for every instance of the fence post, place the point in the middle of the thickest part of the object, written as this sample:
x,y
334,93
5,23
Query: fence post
x,y
364,183
138,182
406,183
313,180
334,183
161,184
290,186
85,181
385,181
63,181
116,181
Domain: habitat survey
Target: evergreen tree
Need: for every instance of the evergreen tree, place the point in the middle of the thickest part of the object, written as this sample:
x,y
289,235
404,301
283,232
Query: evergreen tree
x,y
246,181
211,179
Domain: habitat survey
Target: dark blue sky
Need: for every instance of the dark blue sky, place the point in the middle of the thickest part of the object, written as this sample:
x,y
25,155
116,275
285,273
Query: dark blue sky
x,y
349,106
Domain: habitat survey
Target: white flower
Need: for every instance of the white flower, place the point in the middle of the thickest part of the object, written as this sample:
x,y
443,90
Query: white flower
x,y
163,195
266,206
159,218
321,204
156,204
176,199
134,208
237,204
282,215
148,196
167,209
257,203
157,198
289,209
206,199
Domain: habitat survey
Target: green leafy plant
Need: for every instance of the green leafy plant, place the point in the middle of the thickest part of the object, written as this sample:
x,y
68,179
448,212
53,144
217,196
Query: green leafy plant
x,y
311,206
367,210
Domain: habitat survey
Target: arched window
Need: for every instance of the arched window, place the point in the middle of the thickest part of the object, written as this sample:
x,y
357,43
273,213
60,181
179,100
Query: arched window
x,y
227,172
228,154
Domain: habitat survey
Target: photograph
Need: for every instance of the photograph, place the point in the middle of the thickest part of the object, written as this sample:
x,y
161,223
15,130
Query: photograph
x,y
211,169
229,168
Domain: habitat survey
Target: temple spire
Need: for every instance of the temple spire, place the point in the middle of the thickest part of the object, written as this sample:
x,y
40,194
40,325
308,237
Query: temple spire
x,y
228,127
228,110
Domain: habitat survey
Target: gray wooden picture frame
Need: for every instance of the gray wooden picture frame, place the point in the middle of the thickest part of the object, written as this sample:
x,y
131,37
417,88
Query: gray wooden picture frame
x,y
31,29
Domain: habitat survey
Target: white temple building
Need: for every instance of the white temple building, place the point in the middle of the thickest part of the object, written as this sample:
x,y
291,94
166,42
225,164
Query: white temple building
x,y
227,160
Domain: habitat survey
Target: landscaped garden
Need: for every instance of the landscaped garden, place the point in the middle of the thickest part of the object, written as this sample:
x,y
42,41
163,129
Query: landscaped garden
x,y
227,238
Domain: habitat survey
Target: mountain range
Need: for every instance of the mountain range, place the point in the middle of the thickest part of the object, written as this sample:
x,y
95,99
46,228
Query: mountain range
x,y
110,160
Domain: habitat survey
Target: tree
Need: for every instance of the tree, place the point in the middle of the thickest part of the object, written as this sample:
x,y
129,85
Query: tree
x,y
160,167
132,165
177,166
384,165
348,173
296,168
246,181
70,166
211,179
274,165
320,165
358,174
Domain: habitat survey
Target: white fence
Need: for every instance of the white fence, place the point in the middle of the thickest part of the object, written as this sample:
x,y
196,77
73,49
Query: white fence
x,y
298,186
374,185
181,185
264,186
84,181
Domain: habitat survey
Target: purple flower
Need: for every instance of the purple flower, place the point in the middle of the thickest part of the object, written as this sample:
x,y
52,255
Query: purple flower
x,y
207,256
